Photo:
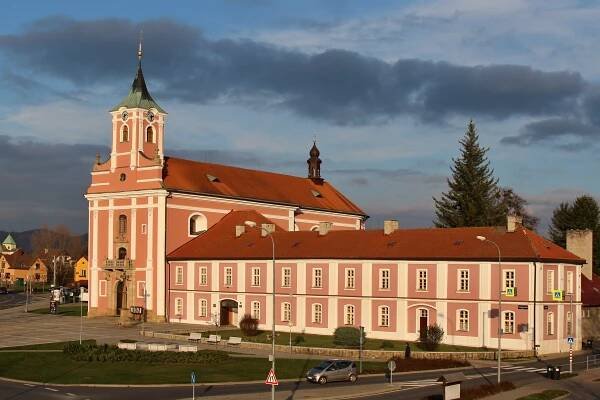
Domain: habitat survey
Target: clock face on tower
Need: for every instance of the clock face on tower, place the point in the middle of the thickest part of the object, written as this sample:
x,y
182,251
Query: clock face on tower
x,y
124,116
150,116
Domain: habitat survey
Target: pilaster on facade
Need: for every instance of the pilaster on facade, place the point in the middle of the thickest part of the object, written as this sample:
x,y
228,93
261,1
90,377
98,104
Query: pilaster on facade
x,y
560,280
485,281
214,277
160,255
332,313
334,270
190,270
134,229
301,278
270,270
190,306
485,325
402,313
291,220
94,258
441,309
442,282
301,313
241,277
367,279
111,226
150,270
403,280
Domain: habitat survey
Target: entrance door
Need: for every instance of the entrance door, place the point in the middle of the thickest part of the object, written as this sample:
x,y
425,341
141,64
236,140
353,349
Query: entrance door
x,y
122,253
229,309
423,319
119,301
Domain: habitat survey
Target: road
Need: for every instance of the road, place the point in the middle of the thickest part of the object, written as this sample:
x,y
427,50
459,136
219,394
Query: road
x,y
15,299
414,386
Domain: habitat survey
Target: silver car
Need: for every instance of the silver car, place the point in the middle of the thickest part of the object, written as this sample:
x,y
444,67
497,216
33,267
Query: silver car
x,y
332,370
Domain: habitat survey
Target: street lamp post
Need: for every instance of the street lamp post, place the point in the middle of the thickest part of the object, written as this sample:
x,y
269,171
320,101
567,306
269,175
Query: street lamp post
x,y
252,224
500,330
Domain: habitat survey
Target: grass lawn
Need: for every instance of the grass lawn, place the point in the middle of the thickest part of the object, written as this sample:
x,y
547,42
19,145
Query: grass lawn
x,y
59,368
72,310
283,338
545,395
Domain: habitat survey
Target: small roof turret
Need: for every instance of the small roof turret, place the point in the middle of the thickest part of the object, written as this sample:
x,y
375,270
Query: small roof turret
x,y
9,240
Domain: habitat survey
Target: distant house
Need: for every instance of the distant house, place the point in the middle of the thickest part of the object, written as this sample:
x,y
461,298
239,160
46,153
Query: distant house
x,y
81,271
8,246
19,267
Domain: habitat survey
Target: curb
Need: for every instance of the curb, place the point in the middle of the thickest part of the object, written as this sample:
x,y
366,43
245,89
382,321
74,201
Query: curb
x,y
161,385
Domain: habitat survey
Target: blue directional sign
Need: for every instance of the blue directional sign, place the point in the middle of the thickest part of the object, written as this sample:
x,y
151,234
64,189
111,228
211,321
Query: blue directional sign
x,y
193,377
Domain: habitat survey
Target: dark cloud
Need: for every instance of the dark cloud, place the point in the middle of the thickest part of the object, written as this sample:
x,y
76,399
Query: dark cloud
x,y
335,85
362,176
553,129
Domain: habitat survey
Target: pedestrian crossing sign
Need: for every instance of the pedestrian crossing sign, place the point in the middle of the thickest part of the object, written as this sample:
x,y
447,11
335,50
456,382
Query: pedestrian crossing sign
x,y
558,295
510,292
271,378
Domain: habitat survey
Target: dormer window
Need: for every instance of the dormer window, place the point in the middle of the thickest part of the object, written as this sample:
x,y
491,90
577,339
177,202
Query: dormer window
x,y
150,135
212,178
198,224
316,193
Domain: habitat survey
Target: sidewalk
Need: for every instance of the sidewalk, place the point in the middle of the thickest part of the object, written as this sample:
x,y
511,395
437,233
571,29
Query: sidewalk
x,y
581,387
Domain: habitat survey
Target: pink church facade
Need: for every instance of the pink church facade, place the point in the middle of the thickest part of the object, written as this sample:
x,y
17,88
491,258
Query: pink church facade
x,y
169,235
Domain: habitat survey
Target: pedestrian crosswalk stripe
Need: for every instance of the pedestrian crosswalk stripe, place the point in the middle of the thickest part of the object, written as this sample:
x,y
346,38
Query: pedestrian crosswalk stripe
x,y
513,367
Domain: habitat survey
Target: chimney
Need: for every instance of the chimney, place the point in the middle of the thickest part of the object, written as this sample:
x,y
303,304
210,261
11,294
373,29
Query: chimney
x,y
324,228
267,229
239,230
513,222
390,226
579,242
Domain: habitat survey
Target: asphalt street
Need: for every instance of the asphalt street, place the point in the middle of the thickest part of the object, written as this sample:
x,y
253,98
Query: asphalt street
x,y
15,299
412,386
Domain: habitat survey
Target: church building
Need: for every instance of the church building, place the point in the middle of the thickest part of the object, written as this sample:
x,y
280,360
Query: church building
x,y
194,242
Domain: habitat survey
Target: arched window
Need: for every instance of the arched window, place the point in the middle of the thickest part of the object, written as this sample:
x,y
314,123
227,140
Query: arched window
x,y
197,224
509,322
125,134
122,224
384,316
349,314
550,323
463,320
149,135
122,253
256,310
317,313
286,312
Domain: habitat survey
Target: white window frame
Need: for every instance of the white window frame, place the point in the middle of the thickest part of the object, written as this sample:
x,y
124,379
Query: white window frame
x,y
203,308
317,314
179,275
510,323
463,320
255,309
570,282
422,283
141,285
317,275
122,136
349,313
550,323
179,306
203,281
384,278
384,316
197,231
228,277
463,280
286,277
569,323
550,281
255,277
286,311
144,229
510,278
102,288
350,280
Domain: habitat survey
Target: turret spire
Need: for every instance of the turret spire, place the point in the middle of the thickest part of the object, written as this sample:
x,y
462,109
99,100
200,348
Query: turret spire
x,y
314,163
140,52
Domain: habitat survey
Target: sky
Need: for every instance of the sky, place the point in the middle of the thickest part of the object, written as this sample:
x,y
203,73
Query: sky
x,y
387,88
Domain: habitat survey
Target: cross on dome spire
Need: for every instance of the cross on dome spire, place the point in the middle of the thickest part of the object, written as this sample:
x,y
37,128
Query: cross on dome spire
x,y
140,52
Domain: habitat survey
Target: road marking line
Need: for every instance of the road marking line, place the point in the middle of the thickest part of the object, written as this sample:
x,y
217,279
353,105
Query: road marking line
x,y
540,370
29,384
71,394
511,367
530,369
51,389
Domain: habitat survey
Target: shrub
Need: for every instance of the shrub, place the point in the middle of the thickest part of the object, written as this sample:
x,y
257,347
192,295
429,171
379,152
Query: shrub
x,y
249,325
348,336
299,339
485,390
432,338
386,344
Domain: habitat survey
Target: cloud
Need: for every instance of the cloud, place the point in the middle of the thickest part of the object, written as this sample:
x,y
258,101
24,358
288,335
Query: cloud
x,y
363,176
339,86
553,129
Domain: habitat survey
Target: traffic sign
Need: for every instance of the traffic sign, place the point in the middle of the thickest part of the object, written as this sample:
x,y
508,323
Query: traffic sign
x,y
271,378
570,340
193,377
392,365
510,292
558,295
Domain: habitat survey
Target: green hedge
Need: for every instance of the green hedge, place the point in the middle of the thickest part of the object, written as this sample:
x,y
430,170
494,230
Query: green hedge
x,y
106,353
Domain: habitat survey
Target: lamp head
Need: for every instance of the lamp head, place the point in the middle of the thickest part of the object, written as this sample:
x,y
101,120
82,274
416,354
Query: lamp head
x,y
482,238
251,224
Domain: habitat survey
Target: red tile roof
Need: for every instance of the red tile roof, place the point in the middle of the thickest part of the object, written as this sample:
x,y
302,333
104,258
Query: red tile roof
x,y
451,244
19,260
241,183
590,291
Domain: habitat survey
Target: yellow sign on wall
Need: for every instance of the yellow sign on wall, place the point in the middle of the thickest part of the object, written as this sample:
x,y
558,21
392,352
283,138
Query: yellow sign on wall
x,y
558,295
510,292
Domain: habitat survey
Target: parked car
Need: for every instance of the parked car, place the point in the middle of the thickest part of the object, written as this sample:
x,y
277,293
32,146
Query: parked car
x,y
3,290
333,370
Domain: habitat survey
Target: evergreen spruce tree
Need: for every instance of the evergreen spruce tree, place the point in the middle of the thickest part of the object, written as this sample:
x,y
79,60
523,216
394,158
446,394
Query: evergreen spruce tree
x,y
583,213
473,198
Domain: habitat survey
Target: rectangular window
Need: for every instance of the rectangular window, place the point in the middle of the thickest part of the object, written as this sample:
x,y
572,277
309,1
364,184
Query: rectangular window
x,y
255,276
569,323
384,279
317,313
179,275
350,273
228,276
509,322
463,320
286,312
384,316
203,276
82,273
317,278
286,277
203,307
141,289
550,281
256,310
179,306
349,315
550,323
570,282
422,280
509,279
463,280
102,288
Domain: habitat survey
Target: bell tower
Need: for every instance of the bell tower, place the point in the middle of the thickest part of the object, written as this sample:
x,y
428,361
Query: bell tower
x,y
138,125
314,164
